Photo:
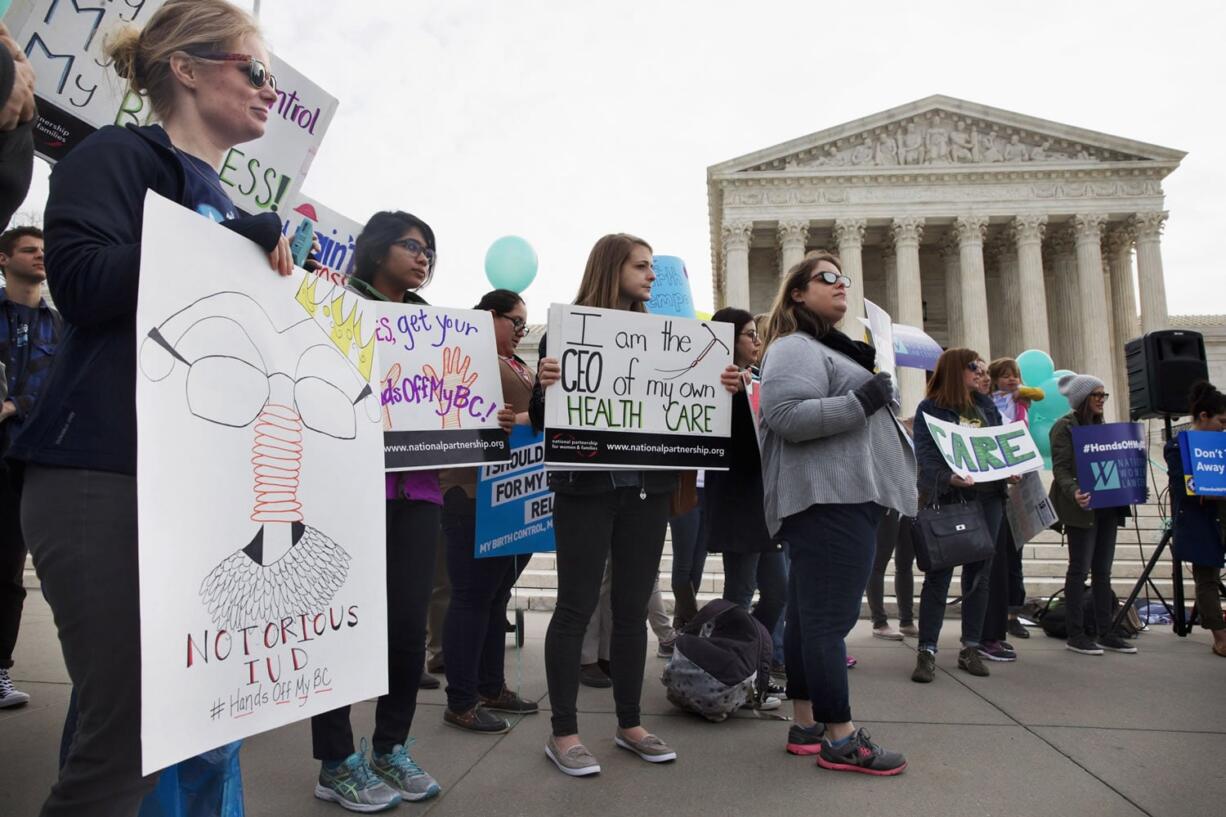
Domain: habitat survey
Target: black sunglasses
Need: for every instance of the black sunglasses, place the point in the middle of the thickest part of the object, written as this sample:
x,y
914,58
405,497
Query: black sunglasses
x,y
257,72
831,278
518,324
415,247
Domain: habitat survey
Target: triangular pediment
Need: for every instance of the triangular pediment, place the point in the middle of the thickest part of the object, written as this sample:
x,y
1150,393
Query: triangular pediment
x,y
941,132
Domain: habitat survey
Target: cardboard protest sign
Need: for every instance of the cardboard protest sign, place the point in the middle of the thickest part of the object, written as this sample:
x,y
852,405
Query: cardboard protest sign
x,y
1204,462
514,503
882,328
1029,510
78,92
440,387
637,391
337,234
260,492
985,454
670,292
1111,460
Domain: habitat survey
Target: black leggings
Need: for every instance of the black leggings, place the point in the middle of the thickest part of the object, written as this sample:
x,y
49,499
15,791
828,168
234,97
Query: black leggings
x,y
412,531
627,528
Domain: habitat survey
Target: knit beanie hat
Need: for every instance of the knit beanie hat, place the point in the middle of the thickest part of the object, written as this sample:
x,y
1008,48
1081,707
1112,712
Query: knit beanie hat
x,y
1077,387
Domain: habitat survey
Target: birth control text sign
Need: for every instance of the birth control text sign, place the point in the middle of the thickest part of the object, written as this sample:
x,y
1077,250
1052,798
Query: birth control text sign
x,y
1111,460
637,390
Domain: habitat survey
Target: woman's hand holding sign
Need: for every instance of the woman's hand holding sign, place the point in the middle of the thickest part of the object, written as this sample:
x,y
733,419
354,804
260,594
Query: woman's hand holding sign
x,y
1083,499
550,372
730,378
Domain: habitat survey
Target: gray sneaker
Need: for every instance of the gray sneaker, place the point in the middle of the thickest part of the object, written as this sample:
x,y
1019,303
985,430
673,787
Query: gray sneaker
x,y
398,770
651,748
353,785
576,761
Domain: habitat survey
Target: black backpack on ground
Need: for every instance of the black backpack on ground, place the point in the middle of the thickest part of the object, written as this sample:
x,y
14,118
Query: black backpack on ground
x,y
721,661
1052,617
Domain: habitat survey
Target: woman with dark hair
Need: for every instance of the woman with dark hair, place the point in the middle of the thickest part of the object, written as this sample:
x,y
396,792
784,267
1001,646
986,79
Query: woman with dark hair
x,y
474,635
1197,520
1091,531
733,514
954,395
79,514
833,459
605,515
394,258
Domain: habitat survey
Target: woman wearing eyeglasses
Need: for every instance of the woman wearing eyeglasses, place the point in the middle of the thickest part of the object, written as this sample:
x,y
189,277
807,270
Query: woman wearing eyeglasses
x,y
733,514
833,460
955,395
1091,531
474,636
79,504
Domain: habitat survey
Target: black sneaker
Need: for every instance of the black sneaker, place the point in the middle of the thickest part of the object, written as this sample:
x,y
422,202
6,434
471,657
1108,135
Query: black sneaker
x,y
925,667
860,754
476,720
805,740
1084,644
1116,644
969,660
1017,629
776,690
591,675
508,701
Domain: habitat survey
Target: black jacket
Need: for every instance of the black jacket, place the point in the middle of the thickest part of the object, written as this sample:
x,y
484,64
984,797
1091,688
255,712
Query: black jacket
x,y
86,415
734,517
933,471
589,482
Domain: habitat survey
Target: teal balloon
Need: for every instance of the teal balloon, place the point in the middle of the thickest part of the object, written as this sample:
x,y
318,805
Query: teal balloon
x,y
1040,429
510,263
1059,373
1036,366
4,7
1054,405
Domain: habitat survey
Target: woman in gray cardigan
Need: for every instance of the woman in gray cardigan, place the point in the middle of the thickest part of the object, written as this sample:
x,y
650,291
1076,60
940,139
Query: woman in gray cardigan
x,y
833,460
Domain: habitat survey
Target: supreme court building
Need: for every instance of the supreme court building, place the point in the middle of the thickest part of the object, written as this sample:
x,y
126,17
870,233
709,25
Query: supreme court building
x,y
989,229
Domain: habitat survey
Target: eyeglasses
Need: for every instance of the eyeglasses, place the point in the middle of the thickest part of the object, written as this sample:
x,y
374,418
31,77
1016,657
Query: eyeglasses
x,y
752,334
831,278
518,324
257,72
1100,395
976,368
415,247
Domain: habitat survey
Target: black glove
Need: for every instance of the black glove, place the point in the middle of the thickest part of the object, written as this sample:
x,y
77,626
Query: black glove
x,y
875,393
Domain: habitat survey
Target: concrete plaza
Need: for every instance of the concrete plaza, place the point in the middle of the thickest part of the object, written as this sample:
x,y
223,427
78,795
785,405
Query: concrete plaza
x,y
1055,733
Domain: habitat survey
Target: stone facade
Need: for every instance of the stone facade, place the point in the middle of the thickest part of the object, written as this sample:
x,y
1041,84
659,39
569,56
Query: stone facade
x,y
990,229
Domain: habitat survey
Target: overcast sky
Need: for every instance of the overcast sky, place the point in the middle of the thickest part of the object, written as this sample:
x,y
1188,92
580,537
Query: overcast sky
x,y
563,121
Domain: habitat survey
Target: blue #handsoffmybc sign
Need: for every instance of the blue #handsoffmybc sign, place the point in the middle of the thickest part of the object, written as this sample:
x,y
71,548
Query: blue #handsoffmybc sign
x,y
670,293
514,504
1204,462
914,349
1111,462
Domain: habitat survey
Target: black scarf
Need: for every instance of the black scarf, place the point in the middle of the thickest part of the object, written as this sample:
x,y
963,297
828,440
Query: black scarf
x,y
860,352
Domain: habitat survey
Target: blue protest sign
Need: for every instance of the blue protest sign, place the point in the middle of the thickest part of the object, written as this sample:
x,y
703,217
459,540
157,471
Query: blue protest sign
x,y
1204,462
670,294
914,349
1111,460
514,504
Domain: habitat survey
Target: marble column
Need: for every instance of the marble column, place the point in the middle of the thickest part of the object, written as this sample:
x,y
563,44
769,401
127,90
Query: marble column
x,y
889,269
953,290
1118,244
1062,317
910,310
1094,314
1027,233
993,252
849,233
792,238
1148,227
736,235
1009,299
971,232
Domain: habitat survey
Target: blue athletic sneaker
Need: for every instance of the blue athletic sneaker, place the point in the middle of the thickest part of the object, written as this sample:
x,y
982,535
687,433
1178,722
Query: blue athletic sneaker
x,y
399,771
353,785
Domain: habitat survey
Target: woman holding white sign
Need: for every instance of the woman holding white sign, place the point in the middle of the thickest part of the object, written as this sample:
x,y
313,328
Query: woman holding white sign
x,y
79,509
954,396
1091,531
833,460
601,515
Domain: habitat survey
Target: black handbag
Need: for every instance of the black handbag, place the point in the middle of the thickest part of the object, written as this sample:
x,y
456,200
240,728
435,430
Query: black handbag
x,y
951,534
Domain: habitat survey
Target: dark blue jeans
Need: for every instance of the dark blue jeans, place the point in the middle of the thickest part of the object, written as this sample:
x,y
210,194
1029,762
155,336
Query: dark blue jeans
x,y
832,549
975,581
689,558
474,635
765,572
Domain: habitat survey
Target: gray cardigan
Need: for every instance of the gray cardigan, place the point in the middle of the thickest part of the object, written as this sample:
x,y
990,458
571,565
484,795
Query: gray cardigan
x,y
817,446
